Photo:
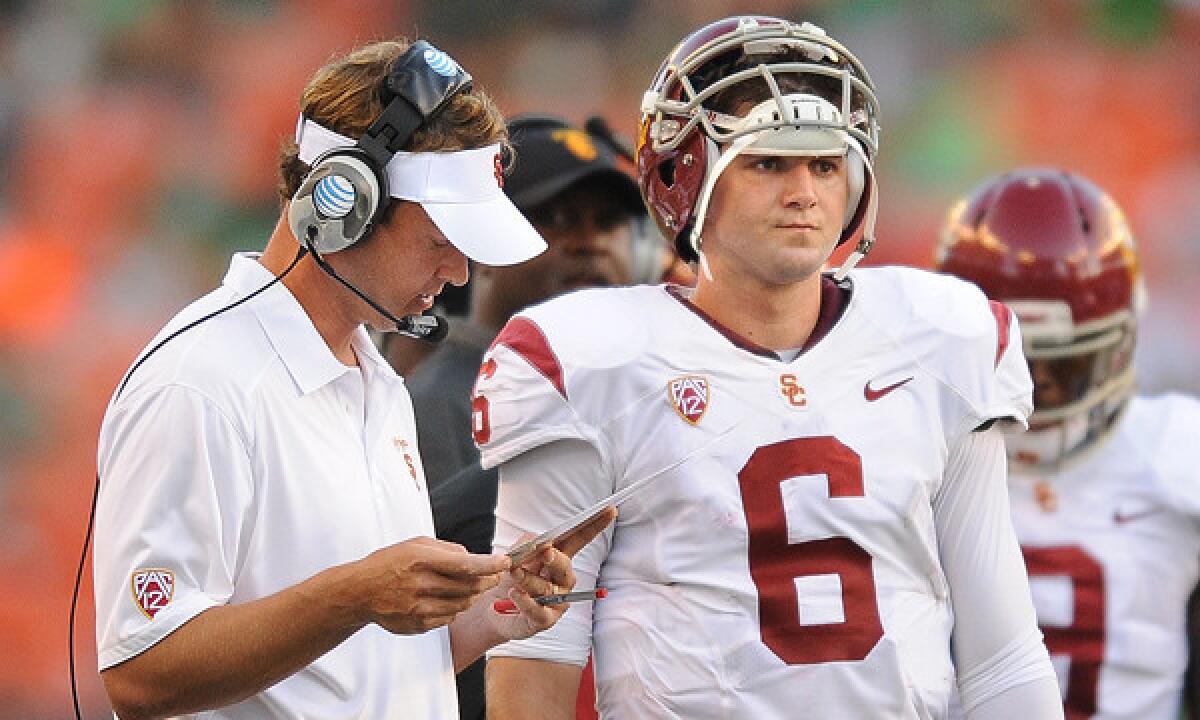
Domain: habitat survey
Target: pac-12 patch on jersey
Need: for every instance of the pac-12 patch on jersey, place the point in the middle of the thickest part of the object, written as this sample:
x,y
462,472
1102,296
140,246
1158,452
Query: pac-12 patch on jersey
x,y
153,589
689,397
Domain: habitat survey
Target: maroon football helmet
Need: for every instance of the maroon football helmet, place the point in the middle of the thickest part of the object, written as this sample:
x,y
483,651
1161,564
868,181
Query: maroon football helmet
x,y
683,130
1057,250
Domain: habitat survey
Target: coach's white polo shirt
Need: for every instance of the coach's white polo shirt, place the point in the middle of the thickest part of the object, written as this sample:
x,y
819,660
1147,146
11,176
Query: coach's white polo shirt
x,y
243,458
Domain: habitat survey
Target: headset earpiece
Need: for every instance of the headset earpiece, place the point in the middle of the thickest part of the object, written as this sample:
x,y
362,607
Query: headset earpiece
x,y
338,202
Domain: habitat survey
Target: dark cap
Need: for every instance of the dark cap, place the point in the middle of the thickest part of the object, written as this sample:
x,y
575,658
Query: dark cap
x,y
552,154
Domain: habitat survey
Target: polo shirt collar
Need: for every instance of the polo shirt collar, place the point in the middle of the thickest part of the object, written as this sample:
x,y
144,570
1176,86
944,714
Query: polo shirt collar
x,y
291,332
370,360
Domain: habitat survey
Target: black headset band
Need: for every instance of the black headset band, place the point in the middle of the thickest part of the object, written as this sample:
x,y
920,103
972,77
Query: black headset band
x,y
412,93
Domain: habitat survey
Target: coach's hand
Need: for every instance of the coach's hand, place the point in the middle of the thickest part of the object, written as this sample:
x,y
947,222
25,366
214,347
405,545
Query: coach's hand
x,y
423,583
547,573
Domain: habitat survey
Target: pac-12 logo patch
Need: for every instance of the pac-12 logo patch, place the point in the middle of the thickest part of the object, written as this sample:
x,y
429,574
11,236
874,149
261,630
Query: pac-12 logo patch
x,y
689,397
153,588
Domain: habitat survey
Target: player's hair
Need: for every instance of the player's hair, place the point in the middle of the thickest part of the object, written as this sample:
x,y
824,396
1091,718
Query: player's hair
x,y
345,96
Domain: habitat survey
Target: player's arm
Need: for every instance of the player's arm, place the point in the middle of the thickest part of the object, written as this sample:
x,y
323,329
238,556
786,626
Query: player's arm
x,y
1003,667
539,677
531,689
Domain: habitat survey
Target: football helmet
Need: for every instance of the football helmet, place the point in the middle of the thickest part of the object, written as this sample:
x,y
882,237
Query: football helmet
x,y
762,85
1058,251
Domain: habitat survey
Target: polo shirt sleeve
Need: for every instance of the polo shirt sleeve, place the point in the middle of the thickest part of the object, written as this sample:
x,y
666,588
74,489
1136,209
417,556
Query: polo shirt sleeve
x,y
174,506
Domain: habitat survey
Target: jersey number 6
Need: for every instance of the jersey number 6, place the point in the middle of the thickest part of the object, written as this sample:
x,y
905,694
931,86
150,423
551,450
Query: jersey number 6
x,y
775,562
481,417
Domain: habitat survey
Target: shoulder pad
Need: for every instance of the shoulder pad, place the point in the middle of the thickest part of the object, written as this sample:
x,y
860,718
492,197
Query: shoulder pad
x,y
968,343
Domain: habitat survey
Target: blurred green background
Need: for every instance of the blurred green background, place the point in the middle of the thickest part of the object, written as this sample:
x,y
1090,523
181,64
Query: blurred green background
x,y
138,142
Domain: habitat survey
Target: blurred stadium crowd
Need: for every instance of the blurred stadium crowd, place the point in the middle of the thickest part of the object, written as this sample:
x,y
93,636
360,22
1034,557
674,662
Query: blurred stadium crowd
x,y
138,142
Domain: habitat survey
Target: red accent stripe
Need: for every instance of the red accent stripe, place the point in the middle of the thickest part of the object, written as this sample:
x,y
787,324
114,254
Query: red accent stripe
x,y
1003,324
527,340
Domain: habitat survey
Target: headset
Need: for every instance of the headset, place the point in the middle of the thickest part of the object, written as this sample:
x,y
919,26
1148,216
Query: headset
x,y
338,203
345,192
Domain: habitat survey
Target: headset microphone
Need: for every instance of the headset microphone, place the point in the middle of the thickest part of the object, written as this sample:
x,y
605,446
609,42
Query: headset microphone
x,y
430,328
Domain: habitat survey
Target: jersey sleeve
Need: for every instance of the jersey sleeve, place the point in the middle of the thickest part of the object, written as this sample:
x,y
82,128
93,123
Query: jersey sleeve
x,y
175,494
1008,393
521,398
982,361
1035,700
971,346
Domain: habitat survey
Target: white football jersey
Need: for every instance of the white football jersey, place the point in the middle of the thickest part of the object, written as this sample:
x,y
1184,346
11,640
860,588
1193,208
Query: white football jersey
x,y
783,561
1112,544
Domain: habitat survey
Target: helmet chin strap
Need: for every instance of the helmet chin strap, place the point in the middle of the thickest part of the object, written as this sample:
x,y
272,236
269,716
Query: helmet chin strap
x,y
704,264
868,235
723,159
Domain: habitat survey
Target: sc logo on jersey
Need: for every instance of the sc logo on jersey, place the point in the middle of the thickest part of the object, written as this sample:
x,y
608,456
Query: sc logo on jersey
x,y
792,391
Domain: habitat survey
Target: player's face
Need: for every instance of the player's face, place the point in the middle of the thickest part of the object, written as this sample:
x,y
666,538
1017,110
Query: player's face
x,y
402,265
1059,381
774,220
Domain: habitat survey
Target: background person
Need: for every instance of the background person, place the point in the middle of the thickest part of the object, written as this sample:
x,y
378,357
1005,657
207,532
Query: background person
x,y
1104,487
263,531
568,182
823,527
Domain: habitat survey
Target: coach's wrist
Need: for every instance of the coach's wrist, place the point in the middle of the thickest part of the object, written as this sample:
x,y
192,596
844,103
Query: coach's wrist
x,y
336,591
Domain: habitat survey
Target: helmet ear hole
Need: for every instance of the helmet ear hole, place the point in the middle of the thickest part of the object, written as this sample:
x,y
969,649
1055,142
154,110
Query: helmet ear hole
x,y
666,170
683,246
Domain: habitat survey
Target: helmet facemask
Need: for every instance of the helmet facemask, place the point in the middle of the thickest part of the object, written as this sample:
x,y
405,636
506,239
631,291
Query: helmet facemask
x,y
1083,376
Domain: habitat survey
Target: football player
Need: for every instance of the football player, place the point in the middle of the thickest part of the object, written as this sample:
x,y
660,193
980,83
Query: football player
x,y
1105,486
817,518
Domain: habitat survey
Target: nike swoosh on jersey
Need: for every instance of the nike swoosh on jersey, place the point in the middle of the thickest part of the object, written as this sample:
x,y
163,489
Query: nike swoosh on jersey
x,y
1120,518
871,394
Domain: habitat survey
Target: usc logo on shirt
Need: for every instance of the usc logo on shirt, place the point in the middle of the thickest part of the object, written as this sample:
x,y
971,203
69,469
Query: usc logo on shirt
x,y
792,391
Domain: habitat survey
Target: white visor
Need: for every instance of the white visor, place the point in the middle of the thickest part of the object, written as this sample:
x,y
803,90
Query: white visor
x,y
460,190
